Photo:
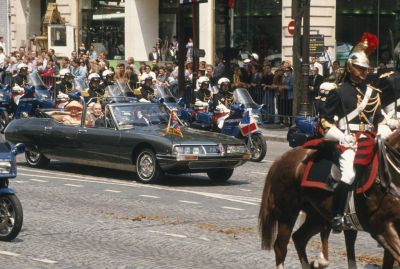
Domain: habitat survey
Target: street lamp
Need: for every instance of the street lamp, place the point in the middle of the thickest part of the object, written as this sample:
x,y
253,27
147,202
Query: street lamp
x,y
305,107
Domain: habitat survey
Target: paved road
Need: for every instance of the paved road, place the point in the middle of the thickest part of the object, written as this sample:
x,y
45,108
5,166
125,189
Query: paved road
x,y
82,217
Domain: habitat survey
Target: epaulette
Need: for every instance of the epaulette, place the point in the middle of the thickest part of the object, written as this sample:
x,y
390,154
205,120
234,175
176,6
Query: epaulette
x,y
387,74
85,93
137,91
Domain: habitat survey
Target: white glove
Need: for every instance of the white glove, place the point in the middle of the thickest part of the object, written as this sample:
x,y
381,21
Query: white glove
x,y
393,124
348,140
201,103
384,131
222,108
142,100
18,89
335,134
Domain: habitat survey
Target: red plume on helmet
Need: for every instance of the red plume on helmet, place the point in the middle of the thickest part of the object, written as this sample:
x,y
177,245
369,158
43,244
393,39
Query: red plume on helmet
x,y
370,41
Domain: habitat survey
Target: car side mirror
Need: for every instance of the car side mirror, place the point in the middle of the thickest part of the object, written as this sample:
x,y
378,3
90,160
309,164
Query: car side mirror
x,y
161,100
18,148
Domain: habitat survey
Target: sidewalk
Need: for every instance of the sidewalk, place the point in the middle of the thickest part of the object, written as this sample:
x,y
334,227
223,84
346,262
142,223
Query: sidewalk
x,y
274,132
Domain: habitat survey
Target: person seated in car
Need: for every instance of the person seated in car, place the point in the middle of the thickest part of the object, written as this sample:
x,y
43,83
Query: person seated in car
x,y
75,110
96,114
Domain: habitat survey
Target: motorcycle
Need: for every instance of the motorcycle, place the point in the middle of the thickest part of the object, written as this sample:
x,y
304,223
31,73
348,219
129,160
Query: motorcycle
x,y
61,99
242,96
11,214
229,122
5,105
306,128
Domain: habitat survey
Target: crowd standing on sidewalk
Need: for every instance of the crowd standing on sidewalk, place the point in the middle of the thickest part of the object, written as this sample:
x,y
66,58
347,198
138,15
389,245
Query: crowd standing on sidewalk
x,y
267,84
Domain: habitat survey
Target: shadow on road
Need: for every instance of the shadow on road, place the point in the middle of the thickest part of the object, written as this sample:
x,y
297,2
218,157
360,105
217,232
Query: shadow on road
x,y
184,180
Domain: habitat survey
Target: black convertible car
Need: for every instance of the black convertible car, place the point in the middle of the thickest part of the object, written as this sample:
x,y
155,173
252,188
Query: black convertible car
x,y
130,136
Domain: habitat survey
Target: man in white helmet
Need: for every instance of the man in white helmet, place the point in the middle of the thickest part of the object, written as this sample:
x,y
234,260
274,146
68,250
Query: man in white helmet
x,y
65,85
223,100
22,75
108,79
94,89
357,107
146,89
203,93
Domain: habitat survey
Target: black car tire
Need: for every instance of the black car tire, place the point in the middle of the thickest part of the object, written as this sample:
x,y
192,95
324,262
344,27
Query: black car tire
x,y
4,120
36,159
147,168
260,146
220,175
10,206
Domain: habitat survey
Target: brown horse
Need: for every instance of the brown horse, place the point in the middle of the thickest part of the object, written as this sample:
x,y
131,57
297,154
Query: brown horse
x,y
283,198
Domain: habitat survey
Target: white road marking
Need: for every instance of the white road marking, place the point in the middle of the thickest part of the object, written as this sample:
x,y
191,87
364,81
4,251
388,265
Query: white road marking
x,y
245,190
149,196
38,180
44,261
7,253
19,181
232,208
260,173
189,202
74,185
232,198
204,238
113,191
168,234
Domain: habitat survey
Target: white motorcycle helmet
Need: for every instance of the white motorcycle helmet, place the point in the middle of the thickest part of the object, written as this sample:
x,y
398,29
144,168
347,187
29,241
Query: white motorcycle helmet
x,y
21,66
201,80
94,76
223,80
255,56
64,72
106,73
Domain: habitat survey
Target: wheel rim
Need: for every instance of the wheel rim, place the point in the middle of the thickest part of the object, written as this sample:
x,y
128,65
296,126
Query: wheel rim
x,y
32,156
146,166
7,216
256,148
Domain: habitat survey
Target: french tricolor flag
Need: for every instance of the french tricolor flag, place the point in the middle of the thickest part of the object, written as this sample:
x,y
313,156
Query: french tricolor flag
x,y
247,124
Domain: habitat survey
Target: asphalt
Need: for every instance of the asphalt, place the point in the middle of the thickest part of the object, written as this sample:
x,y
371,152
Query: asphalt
x,y
274,132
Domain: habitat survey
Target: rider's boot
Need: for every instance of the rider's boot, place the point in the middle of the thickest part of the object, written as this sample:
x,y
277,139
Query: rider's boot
x,y
338,206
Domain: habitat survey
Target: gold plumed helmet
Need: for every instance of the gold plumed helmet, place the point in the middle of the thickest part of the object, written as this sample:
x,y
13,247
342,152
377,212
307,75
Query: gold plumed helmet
x,y
360,53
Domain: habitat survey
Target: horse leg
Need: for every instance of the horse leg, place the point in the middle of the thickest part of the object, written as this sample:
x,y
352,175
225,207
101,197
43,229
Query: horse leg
x,y
388,260
390,240
323,259
311,226
282,240
350,237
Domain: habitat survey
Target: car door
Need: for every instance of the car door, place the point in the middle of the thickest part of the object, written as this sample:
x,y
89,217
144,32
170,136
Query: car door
x,y
59,140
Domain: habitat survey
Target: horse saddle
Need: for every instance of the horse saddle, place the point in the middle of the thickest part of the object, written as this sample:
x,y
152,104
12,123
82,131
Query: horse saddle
x,y
322,167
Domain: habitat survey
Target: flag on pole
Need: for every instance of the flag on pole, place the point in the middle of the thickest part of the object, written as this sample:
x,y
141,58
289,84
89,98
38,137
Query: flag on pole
x,y
174,128
247,124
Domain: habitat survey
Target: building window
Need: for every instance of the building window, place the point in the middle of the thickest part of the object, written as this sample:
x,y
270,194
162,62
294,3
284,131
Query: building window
x,y
103,26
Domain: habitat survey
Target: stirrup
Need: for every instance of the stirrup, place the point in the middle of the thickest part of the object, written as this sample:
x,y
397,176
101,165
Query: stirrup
x,y
337,224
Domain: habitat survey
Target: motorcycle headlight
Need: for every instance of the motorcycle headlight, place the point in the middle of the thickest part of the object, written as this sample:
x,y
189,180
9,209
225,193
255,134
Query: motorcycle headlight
x,y
5,167
236,149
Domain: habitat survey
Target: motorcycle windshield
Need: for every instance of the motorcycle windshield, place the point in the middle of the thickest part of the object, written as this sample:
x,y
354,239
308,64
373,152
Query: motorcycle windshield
x,y
242,96
125,89
165,93
114,91
80,85
42,93
35,80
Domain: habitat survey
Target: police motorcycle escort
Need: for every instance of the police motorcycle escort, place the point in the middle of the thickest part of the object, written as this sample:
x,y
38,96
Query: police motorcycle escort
x,y
11,213
217,110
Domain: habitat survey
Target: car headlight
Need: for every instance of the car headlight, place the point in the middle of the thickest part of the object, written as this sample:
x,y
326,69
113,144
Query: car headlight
x,y
236,149
189,150
5,167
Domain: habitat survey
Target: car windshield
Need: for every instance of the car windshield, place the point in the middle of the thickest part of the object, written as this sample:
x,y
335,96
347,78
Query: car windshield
x,y
35,80
165,93
134,115
242,96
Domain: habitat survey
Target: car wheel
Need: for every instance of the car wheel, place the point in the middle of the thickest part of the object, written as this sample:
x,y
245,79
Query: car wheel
x,y
4,120
147,168
36,159
258,147
220,175
11,217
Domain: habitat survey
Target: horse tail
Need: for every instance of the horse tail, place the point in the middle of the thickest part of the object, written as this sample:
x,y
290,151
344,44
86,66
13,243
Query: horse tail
x,y
267,220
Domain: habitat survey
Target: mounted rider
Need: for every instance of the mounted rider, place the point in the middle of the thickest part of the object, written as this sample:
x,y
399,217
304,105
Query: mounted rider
x,y
355,108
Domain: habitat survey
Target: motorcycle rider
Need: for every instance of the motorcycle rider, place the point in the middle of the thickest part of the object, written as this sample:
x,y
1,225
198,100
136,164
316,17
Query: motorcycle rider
x,y
358,108
65,85
94,90
202,93
146,89
108,79
19,81
223,100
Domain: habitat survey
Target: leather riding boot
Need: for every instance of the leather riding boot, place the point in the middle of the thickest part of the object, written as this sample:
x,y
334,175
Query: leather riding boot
x,y
338,206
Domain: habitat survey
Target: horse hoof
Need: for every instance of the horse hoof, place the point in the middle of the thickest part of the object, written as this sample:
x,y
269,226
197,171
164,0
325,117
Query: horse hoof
x,y
319,264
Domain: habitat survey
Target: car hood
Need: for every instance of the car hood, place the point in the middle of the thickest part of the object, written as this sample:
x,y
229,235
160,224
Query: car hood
x,y
190,136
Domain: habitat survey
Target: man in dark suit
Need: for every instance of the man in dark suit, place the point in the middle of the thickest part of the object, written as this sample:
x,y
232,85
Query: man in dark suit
x,y
153,55
315,82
